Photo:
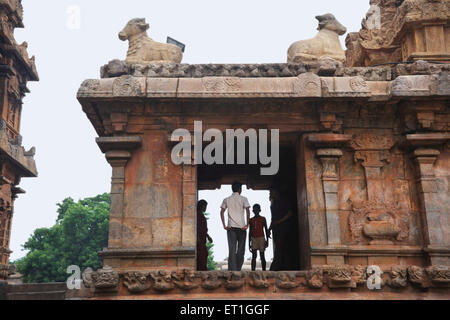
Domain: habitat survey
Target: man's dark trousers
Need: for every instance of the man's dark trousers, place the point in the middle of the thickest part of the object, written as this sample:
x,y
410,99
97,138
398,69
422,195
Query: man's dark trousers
x,y
236,248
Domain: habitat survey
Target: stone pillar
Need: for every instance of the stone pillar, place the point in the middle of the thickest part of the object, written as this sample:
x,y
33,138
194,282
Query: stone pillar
x,y
118,152
189,218
433,211
118,160
329,151
425,160
330,181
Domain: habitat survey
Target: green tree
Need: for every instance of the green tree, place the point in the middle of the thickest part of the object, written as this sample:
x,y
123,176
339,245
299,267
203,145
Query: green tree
x,y
81,230
211,264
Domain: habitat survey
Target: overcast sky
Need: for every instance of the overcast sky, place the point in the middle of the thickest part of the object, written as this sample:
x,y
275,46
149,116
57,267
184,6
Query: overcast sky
x,y
68,160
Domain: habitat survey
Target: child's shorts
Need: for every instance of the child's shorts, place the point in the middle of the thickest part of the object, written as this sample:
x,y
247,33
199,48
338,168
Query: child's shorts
x,y
259,244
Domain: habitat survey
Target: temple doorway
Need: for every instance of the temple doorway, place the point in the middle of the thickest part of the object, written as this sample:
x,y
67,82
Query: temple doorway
x,y
214,185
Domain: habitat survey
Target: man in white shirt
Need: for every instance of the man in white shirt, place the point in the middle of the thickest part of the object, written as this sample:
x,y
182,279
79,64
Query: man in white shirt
x,y
237,226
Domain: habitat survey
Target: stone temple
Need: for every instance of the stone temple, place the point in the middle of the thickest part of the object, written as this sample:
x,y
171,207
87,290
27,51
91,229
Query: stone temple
x,y
16,69
364,148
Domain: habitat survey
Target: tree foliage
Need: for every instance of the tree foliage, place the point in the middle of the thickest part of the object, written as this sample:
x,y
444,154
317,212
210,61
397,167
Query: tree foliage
x,y
81,230
211,264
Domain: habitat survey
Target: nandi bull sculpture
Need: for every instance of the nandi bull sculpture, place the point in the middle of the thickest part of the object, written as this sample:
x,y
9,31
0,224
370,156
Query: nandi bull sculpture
x,y
325,44
142,49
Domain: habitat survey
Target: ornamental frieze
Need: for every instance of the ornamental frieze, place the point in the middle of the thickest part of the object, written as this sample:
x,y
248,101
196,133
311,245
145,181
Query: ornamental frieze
x,y
331,277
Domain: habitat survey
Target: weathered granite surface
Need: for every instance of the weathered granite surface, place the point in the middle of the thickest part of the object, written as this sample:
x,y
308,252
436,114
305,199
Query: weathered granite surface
x,y
320,282
406,30
16,69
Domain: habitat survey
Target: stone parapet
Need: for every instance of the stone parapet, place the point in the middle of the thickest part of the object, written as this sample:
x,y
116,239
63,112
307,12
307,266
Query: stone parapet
x,y
321,282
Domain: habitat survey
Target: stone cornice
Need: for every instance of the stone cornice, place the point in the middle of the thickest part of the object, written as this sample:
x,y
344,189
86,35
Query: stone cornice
x,y
181,252
154,284
306,86
17,154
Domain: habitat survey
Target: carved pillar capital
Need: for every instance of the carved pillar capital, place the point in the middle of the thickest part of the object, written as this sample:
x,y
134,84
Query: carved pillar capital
x,y
330,162
425,158
374,153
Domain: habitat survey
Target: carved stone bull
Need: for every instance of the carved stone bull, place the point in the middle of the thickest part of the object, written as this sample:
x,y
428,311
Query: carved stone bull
x,y
325,44
143,49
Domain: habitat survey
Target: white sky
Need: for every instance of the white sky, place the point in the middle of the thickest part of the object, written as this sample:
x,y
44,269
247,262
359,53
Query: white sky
x,y
68,160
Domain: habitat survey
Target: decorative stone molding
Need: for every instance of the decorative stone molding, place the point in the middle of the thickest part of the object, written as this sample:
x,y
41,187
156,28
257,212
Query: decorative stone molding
x,y
163,282
258,279
128,86
341,277
308,85
105,279
374,152
211,281
87,277
185,280
398,277
400,31
355,87
136,281
221,84
439,275
416,276
234,280
14,149
286,280
407,86
315,278
381,222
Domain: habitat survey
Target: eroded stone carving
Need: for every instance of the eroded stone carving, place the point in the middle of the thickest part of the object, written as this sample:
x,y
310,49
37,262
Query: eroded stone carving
x,y
286,280
87,277
439,275
105,278
136,281
308,85
127,86
258,279
211,280
340,277
372,44
359,275
221,84
185,279
234,280
382,222
398,277
326,44
417,276
345,87
388,23
315,278
162,281
142,49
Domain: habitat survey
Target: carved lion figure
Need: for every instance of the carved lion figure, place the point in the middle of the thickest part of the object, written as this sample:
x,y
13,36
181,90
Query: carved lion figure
x,y
143,49
325,44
